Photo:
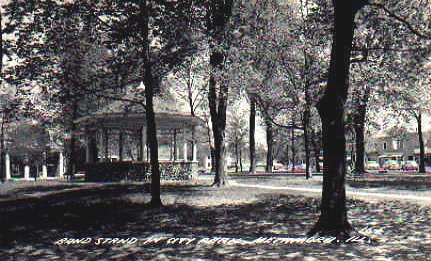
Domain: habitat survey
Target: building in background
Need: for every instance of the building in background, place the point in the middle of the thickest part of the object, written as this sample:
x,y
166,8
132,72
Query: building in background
x,y
399,144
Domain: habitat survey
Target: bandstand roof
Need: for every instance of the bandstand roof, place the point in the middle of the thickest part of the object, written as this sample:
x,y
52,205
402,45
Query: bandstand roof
x,y
121,115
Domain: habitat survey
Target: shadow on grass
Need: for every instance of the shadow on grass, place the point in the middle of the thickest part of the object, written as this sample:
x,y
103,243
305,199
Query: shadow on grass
x,y
108,212
35,189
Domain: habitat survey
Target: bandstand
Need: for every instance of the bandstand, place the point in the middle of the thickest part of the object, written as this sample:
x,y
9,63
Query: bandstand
x,y
116,146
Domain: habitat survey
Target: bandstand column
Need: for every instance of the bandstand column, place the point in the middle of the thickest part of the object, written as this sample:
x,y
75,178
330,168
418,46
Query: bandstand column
x,y
195,152
26,170
61,165
175,145
7,166
184,145
106,144
144,143
44,168
140,146
171,146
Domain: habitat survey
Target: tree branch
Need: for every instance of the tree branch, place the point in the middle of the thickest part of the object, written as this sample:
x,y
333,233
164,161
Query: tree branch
x,y
402,21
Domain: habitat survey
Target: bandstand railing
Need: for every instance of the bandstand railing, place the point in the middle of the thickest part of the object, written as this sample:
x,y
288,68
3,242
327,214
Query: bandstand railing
x,y
139,171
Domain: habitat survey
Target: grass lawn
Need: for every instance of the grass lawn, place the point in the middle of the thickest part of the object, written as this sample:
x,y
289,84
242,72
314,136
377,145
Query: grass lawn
x,y
31,225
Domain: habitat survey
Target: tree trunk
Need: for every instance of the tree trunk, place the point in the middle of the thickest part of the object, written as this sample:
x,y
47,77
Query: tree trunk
x,y
252,139
240,159
217,105
149,83
270,145
190,98
352,152
306,122
210,144
152,139
3,147
218,15
236,157
120,146
306,115
212,155
421,144
292,133
71,160
316,148
359,126
287,155
218,119
333,217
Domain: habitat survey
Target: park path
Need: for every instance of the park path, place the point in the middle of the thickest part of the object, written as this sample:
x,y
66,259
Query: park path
x,y
375,194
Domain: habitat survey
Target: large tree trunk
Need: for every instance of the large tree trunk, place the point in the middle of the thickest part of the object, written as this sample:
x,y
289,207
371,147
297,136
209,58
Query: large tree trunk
x,y
252,140
150,84
270,145
218,16
218,119
421,143
333,217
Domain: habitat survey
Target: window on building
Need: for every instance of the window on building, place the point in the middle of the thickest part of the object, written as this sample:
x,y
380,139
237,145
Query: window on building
x,y
395,144
400,144
385,145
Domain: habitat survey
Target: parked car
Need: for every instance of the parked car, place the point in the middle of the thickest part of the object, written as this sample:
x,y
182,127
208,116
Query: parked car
x,y
300,167
278,167
372,165
391,165
410,165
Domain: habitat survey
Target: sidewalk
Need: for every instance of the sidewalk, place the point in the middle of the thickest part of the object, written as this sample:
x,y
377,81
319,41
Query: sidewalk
x,y
368,194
